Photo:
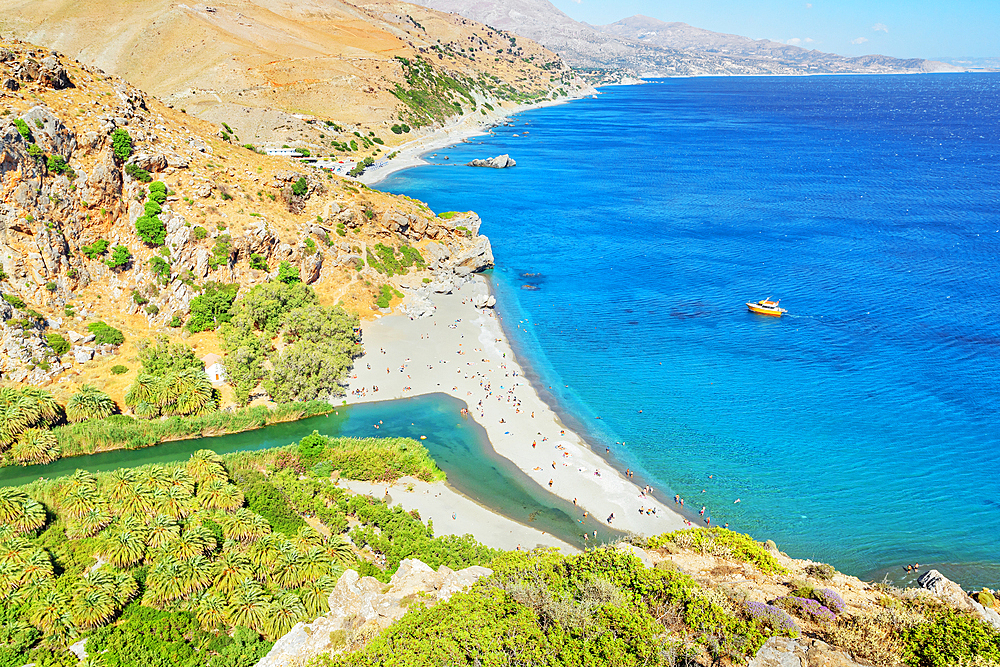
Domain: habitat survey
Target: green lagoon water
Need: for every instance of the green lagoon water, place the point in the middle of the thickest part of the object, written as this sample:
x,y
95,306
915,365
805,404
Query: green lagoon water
x,y
458,444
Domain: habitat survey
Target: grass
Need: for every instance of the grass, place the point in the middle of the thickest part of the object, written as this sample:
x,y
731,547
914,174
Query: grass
x,y
723,543
123,432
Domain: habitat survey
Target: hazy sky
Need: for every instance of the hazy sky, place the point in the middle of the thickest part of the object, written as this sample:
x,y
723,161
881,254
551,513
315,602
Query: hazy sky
x,y
901,28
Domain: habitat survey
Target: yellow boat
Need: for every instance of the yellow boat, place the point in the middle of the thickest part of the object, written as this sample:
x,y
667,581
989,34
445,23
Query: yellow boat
x,y
766,307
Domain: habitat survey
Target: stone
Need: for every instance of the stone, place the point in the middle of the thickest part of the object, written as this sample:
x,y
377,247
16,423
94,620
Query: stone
x,y
83,354
784,652
151,162
311,268
79,649
635,551
476,258
52,74
953,594
499,162
53,136
11,85
177,161
418,305
364,602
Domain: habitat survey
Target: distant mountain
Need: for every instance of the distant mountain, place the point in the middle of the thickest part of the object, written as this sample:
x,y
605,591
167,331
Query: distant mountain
x,y
651,47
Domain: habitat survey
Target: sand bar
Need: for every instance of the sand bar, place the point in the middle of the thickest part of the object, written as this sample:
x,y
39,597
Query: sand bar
x,y
462,351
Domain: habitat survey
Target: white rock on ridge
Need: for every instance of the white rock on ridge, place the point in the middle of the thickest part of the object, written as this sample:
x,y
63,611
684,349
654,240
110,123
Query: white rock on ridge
x,y
83,354
358,603
499,162
783,652
952,593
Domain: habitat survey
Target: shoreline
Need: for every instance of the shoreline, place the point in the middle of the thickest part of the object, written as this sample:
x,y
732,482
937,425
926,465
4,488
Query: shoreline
x,y
410,154
520,425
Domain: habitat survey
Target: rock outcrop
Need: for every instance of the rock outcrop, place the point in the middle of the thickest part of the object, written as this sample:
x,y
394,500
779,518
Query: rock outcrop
x,y
784,652
499,162
361,606
954,595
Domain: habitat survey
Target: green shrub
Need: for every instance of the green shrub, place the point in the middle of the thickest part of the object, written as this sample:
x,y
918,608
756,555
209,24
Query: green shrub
x,y
950,638
57,165
821,571
35,152
200,233
220,251
288,274
447,215
119,369
721,542
104,333
258,262
152,309
121,144
212,307
14,300
175,322
95,249
24,130
120,257
149,227
58,344
161,269
50,286
300,187
138,298
985,598
138,173
158,192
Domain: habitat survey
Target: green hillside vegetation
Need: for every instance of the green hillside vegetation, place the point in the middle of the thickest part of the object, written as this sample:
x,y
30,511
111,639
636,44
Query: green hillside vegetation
x,y
209,559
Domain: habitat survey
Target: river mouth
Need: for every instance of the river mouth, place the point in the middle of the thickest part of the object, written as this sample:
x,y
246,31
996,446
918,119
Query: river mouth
x,y
457,443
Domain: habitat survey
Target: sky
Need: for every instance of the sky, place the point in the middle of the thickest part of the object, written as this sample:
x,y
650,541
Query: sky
x,y
900,28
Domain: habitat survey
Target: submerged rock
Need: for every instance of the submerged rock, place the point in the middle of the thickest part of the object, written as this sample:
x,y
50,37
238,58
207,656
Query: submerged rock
x,y
498,162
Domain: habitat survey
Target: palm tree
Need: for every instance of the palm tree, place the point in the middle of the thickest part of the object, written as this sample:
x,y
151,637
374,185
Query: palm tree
x,y
316,594
32,517
285,611
230,570
314,563
306,537
153,478
12,502
143,396
47,408
89,403
245,526
194,540
35,446
124,544
189,392
92,606
196,574
339,550
120,486
164,581
289,571
81,479
249,606
205,465
50,611
263,554
37,567
180,478
163,530
220,495
90,523
211,612
78,501
10,577
175,502
17,412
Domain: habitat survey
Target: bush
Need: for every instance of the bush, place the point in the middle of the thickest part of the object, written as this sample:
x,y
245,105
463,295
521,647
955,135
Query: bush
x,y
161,269
211,308
258,262
821,571
721,542
771,617
58,344
14,300
23,130
220,251
152,309
57,165
950,638
138,173
121,144
300,187
806,608
149,227
830,599
104,333
95,249
52,287
175,322
288,274
985,598
138,298
200,233
119,369
158,192
312,447
120,257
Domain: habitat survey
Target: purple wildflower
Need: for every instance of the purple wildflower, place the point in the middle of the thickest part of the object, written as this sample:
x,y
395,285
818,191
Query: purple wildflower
x,y
830,599
806,608
772,617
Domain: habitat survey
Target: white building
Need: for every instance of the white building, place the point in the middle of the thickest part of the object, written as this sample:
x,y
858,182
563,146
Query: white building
x,y
214,369
281,152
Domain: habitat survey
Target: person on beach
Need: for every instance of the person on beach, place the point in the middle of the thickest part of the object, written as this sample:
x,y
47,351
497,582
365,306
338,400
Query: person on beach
x,y
550,483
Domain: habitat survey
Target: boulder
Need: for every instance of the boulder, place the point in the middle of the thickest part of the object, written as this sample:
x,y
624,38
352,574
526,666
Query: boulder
x,y
784,652
52,74
499,162
50,133
311,268
952,594
418,305
364,604
151,162
477,257
83,354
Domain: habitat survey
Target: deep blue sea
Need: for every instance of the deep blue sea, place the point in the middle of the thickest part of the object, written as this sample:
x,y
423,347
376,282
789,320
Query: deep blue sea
x,y
862,428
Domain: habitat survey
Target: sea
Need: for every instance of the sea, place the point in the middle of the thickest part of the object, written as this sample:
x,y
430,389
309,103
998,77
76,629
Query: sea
x,y
862,428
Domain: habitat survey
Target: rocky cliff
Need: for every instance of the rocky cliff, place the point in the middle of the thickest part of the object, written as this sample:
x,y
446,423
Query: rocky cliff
x,y
83,237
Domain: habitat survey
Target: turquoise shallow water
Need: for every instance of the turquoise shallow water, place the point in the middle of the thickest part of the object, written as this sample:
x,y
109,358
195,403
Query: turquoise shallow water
x,y
861,429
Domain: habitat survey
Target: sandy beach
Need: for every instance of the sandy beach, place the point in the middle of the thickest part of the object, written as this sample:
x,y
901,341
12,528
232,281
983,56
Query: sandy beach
x,y
455,131
456,514
462,351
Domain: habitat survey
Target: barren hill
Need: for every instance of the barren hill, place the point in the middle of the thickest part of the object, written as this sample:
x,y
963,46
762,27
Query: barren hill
x,y
652,47
265,66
